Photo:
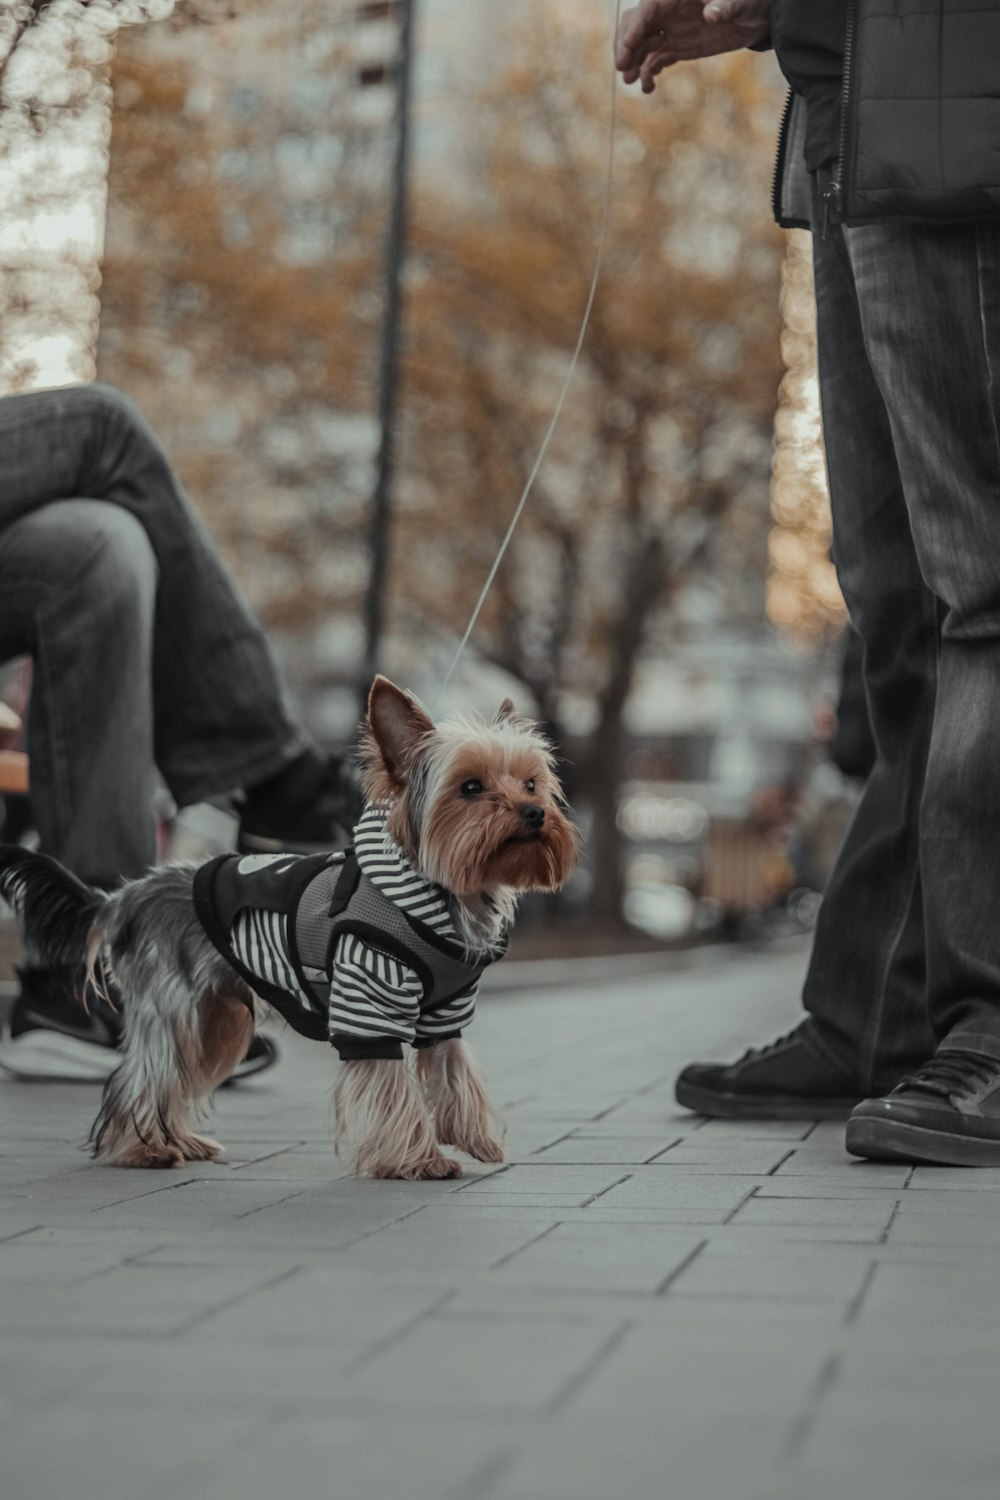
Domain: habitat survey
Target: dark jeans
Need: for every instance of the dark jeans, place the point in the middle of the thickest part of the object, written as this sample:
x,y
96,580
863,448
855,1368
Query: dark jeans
x,y
907,951
144,653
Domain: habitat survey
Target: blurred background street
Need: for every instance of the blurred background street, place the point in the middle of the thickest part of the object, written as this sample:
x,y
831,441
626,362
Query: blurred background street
x,y
202,221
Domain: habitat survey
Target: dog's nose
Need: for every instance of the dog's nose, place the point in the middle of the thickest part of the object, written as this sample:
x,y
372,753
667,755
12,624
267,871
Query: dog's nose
x,y
532,815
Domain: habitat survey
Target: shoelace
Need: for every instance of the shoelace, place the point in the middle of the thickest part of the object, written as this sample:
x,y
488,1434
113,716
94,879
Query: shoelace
x,y
952,1073
754,1052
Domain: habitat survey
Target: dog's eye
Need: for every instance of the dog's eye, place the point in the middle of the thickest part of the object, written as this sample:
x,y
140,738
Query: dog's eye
x,y
529,787
471,788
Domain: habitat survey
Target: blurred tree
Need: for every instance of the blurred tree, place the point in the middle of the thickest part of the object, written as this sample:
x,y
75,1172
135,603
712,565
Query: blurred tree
x,y
54,125
248,354
658,474
803,596
235,308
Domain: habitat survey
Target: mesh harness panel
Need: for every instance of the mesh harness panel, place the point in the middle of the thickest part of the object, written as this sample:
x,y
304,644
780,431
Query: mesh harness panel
x,y
322,897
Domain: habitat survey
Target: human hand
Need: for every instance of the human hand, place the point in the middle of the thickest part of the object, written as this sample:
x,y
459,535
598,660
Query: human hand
x,y
655,34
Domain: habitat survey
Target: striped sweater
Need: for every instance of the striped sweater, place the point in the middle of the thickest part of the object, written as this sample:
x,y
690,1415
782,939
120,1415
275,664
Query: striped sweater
x,y
371,985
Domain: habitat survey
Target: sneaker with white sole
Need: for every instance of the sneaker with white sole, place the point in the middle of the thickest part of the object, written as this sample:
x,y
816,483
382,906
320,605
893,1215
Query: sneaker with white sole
x,y
56,1037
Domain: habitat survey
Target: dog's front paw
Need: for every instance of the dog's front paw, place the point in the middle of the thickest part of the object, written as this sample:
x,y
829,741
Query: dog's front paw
x,y
427,1168
483,1148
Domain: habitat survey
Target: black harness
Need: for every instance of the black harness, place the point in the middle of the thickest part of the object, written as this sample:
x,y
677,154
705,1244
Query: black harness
x,y
321,897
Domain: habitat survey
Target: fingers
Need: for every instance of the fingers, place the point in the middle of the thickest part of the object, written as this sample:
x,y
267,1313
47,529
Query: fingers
x,y
639,24
648,48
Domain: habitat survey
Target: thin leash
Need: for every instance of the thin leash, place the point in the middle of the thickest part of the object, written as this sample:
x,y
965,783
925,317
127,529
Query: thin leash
x,y
567,379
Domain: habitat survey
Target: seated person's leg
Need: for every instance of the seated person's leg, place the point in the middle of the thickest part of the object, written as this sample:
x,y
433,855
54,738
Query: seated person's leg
x,y
78,581
220,718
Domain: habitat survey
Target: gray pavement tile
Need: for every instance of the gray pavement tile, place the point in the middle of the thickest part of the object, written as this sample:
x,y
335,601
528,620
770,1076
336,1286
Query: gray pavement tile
x,y
91,1451
923,1296
952,1179
809,1234
574,1181
590,1213
657,1187
954,1203
532,1200
753,1157
828,1185
594,1150
832,1214
749,1130
363,1458
134,1300
784,1277
598,1257
609,1130
922,1228
470,1364
334,1306
806,1163
692,1320
917,1427
643,1455
449,1245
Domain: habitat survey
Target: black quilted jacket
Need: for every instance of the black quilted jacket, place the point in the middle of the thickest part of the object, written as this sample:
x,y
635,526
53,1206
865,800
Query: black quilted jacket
x,y
920,128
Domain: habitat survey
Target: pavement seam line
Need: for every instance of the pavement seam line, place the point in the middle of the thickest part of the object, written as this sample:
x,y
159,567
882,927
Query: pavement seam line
x,y
208,1314
164,1187
731,1215
884,1236
617,1183
387,1340
349,1244
854,1306
802,1425
496,1264
579,1379
672,1276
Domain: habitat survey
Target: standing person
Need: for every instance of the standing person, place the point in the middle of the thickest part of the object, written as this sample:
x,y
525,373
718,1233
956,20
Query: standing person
x,y
889,153
146,660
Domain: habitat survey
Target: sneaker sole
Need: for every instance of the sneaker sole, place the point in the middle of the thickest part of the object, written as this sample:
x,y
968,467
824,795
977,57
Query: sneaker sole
x,y
761,1106
893,1140
49,1057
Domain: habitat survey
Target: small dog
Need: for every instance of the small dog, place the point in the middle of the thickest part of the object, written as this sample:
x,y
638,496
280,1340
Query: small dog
x,y
375,948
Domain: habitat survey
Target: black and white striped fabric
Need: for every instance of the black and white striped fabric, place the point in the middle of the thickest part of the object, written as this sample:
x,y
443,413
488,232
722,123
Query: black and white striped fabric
x,y
373,994
252,907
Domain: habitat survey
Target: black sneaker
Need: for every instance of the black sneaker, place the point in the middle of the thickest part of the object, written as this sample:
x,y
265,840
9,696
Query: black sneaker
x,y
783,1081
262,1053
309,807
56,1038
947,1112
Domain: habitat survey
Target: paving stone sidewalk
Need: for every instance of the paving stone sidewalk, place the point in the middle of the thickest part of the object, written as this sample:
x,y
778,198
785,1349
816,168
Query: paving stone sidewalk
x,y
639,1304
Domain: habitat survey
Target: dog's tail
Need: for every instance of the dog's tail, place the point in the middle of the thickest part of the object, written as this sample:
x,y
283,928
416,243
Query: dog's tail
x,y
57,911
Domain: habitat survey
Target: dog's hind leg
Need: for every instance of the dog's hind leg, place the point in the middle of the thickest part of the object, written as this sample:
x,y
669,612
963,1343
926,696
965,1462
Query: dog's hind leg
x,y
456,1095
146,1100
224,1032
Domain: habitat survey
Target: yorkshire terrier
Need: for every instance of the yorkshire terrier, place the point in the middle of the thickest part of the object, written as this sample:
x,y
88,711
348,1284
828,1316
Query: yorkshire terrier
x,y
374,948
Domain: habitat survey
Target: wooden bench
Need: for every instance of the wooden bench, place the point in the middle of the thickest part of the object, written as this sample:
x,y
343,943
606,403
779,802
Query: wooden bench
x,y
13,763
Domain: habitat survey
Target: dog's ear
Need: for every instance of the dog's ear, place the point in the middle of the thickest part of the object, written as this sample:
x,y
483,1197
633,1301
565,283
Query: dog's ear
x,y
396,723
506,711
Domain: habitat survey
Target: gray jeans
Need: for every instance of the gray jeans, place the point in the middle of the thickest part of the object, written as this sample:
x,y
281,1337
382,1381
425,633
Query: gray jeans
x,y
145,656
907,951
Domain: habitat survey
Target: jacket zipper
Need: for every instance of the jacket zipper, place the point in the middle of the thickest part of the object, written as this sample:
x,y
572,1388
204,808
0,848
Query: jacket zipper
x,y
779,160
833,193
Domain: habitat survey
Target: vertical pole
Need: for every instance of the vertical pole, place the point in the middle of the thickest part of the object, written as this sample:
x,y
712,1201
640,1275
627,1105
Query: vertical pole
x,y
381,512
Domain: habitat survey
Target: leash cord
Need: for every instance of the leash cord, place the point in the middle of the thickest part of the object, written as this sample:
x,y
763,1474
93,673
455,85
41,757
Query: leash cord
x,y
567,379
